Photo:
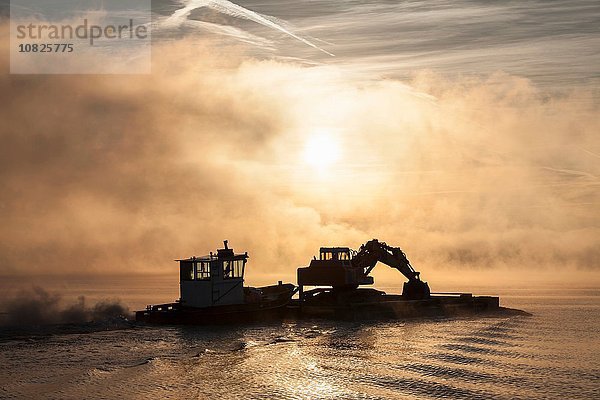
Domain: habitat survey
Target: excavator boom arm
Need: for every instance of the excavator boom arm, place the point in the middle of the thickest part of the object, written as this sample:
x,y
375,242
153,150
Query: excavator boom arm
x,y
375,251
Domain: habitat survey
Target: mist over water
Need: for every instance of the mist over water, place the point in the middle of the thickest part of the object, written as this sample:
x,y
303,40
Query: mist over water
x,y
36,306
475,173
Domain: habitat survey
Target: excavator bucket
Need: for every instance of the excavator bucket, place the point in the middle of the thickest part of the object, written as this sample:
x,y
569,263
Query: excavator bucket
x,y
416,290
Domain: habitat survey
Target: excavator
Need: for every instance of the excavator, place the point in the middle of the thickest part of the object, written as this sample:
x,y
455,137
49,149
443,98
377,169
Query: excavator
x,y
343,269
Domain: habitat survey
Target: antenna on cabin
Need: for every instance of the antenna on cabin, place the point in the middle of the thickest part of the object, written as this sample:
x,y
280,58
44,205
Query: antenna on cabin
x,y
225,243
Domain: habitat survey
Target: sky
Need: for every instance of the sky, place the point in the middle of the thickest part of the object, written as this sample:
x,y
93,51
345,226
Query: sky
x,y
463,132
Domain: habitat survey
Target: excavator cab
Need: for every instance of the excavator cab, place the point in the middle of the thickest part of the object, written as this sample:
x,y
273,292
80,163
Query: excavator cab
x,y
333,268
335,253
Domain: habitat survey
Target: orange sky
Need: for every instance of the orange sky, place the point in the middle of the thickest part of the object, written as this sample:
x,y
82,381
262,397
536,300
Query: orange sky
x,y
116,174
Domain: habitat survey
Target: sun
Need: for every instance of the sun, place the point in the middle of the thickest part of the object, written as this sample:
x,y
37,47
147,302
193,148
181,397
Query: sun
x,y
321,151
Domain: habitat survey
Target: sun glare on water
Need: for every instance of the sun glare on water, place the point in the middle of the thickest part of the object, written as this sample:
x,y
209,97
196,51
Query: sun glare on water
x,y
321,151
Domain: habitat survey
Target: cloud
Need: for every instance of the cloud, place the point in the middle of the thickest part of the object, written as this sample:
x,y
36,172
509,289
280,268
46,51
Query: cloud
x,y
121,174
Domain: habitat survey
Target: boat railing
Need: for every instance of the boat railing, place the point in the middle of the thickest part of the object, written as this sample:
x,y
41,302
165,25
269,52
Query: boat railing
x,y
163,307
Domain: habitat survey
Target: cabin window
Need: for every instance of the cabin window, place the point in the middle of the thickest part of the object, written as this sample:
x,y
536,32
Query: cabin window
x,y
335,255
202,270
233,269
186,271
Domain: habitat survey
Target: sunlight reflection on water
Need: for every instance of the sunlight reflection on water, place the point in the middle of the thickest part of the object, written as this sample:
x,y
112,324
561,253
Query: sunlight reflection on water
x,y
553,354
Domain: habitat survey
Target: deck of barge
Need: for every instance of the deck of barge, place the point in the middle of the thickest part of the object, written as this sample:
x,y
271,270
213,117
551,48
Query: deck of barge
x,y
386,306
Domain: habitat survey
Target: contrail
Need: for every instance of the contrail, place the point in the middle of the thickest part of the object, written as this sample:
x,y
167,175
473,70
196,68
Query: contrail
x,y
590,153
571,172
229,8
234,32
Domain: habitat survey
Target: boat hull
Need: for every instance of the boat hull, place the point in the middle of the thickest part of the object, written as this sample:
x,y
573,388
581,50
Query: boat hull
x,y
271,307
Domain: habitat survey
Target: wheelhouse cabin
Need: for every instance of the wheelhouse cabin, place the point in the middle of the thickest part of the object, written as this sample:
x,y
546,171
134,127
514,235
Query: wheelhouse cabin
x,y
212,280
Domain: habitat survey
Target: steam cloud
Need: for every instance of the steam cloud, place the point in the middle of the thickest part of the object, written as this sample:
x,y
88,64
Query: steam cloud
x,y
112,174
39,307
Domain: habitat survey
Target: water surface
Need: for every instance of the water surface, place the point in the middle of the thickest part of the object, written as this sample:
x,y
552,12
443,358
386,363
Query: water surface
x,y
554,354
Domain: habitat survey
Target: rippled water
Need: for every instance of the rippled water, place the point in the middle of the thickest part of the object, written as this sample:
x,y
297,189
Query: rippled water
x,y
552,355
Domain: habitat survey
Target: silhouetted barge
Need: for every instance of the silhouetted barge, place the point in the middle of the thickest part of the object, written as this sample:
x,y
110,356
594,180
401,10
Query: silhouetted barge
x,y
212,292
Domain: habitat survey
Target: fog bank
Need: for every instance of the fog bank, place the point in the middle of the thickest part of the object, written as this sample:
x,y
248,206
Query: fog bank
x,y
113,174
